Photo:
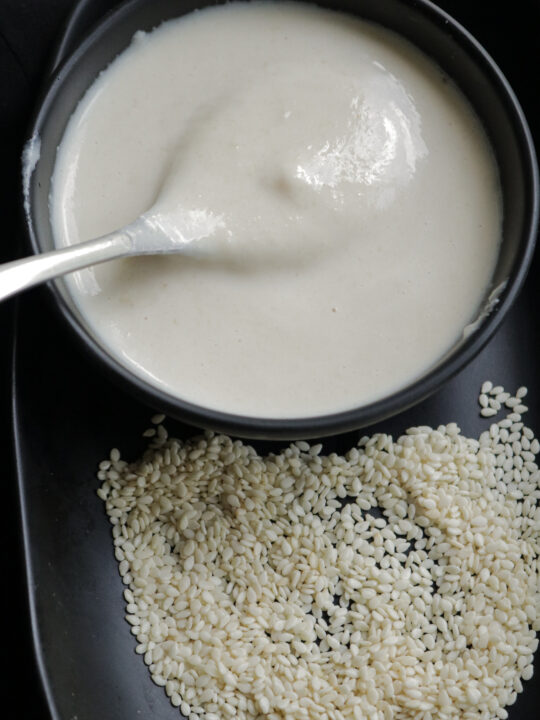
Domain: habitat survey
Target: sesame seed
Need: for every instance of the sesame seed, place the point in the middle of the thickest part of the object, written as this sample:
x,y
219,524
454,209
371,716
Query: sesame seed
x,y
488,411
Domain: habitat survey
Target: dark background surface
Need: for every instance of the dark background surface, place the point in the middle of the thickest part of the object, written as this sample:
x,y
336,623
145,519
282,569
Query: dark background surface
x,y
29,31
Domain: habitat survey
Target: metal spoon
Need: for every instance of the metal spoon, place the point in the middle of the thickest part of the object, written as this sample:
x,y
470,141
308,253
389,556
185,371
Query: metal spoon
x,y
150,234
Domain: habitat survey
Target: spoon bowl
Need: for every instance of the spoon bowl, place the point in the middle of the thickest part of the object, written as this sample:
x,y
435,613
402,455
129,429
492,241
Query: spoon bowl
x,y
153,233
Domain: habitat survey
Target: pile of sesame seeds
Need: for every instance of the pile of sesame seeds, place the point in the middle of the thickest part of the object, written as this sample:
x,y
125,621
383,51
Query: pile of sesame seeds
x,y
400,581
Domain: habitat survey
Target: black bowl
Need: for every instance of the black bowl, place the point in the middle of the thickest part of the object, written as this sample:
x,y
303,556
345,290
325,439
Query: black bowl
x,y
457,53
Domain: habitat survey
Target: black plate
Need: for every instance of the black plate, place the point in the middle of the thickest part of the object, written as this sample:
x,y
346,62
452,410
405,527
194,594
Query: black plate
x,y
67,416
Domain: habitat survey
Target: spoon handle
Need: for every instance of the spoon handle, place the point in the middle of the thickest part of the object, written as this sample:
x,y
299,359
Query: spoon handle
x,y
22,274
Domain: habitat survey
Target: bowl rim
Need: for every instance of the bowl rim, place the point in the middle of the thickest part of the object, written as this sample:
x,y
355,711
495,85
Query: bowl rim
x,y
355,417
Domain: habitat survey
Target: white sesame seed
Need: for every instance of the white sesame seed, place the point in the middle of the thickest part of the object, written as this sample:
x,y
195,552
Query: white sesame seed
x,y
473,695
264,705
488,411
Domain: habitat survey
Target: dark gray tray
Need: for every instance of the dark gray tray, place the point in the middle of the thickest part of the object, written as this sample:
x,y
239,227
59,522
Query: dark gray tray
x,y
67,415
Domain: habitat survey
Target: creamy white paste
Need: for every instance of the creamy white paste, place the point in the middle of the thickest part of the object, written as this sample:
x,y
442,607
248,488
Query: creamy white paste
x,y
341,196
30,158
